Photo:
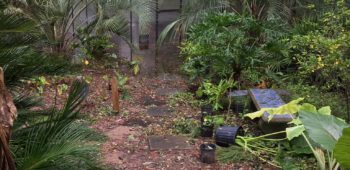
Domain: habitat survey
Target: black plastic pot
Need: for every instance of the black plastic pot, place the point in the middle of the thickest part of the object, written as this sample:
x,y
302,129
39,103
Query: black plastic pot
x,y
144,42
226,135
207,131
207,153
206,110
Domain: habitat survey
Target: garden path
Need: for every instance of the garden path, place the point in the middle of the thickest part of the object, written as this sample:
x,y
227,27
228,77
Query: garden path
x,y
147,119
147,111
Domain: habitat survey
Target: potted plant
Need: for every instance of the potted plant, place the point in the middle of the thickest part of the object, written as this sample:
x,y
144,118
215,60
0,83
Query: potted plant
x,y
207,127
207,153
209,123
206,110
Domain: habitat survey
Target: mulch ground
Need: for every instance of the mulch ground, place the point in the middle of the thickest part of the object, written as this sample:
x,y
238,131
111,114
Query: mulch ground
x,y
126,145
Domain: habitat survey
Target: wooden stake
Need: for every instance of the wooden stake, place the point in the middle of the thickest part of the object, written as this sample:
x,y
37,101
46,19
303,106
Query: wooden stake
x,y
115,94
8,114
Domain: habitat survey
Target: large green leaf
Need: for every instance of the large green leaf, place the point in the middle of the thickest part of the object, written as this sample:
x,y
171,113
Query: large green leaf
x,y
324,130
308,108
342,148
294,132
289,108
325,110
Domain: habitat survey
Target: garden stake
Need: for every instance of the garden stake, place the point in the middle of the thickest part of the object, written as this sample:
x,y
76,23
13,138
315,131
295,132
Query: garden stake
x,y
115,95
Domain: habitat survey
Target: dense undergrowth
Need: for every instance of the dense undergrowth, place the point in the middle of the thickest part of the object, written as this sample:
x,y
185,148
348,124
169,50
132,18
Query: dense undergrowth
x,y
302,47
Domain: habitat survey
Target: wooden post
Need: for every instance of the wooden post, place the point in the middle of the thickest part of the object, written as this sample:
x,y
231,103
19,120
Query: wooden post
x,y
115,94
8,114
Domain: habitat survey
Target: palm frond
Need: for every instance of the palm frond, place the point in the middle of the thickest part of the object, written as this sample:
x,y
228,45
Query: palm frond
x,y
57,141
193,12
25,101
22,63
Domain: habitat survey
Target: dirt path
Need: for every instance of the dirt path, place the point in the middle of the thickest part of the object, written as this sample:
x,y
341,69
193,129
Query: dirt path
x,y
127,146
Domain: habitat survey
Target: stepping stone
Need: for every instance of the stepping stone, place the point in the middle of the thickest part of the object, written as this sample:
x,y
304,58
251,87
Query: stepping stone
x,y
160,111
168,142
166,91
269,98
147,101
169,77
136,122
266,98
120,132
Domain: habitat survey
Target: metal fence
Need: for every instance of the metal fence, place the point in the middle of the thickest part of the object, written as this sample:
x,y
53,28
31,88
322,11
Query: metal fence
x,y
153,58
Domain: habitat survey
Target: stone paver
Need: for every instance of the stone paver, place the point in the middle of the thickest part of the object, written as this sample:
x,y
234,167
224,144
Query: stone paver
x,y
269,98
166,91
147,101
120,132
160,111
168,142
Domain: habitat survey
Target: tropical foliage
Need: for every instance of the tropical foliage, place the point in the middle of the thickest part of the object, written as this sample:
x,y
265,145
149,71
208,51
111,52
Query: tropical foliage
x,y
320,130
57,20
55,140
233,46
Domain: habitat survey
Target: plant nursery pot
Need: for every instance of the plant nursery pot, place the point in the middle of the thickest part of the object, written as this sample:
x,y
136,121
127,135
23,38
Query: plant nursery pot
x,y
144,42
207,154
226,135
206,110
207,131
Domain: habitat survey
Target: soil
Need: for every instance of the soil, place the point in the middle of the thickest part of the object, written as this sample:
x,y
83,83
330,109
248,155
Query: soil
x,y
126,145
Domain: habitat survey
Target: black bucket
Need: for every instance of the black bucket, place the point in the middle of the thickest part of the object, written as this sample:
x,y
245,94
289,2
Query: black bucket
x,y
207,153
226,135
144,42
206,110
207,131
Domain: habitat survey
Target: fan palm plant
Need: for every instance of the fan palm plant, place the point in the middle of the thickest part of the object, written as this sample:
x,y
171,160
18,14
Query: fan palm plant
x,y
194,11
55,140
55,18
45,140
19,60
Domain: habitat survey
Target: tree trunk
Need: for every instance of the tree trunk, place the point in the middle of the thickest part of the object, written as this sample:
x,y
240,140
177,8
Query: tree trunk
x,y
8,114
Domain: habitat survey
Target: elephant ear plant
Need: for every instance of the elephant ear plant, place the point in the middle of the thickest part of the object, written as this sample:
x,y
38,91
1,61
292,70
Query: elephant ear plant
x,y
322,132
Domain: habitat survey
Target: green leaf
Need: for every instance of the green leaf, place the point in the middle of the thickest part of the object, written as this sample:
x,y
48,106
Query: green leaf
x,y
325,110
256,114
342,148
136,69
324,130
308,108
295,121
289,108
294,132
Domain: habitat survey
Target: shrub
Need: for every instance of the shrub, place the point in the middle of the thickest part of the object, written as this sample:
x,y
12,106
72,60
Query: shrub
x,y
320,54
226,46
